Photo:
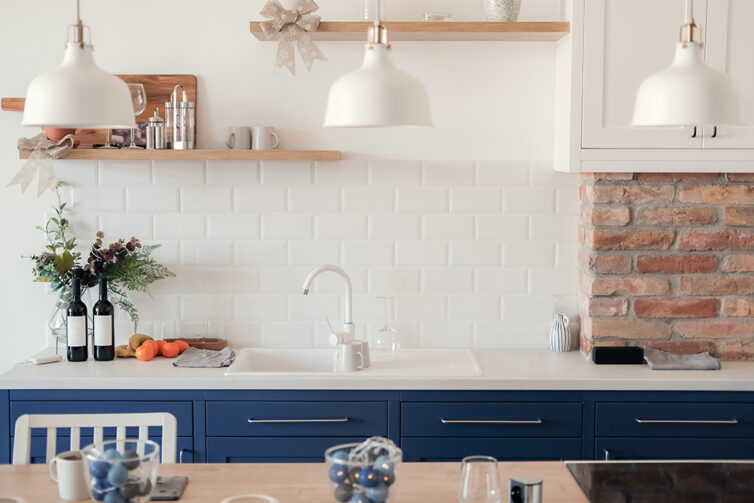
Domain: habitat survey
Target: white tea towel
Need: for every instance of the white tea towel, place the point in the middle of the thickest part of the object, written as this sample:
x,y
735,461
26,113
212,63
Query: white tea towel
x,y
662,360
197,358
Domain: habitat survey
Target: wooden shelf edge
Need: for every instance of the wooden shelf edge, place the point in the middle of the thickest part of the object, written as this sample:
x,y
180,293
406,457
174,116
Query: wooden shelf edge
x,y
199,155
438,31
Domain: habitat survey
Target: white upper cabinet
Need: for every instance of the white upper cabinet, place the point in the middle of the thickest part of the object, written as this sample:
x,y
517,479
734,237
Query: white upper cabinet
x,y
626,41
613,46
730,48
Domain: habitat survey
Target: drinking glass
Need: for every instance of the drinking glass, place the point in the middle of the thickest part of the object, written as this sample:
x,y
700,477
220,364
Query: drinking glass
x,y
436,10
386,337
480,482
139,102
373,10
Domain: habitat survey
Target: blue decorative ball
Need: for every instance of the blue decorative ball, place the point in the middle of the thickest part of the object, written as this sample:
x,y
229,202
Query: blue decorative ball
x,y
129,490
384,465
338,473
360,498
117,475
378,493
340,455
131,459
99,469
145,487
111,454
98,495
343,492
368,477
113,497
388,479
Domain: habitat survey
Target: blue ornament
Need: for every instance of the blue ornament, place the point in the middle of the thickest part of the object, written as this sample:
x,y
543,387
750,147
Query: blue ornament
x,y
360,498
343,492
102,484
383,465
99,469
98,495
378,493
340,455
338,473
117,475
131,459
111,454
368,477
114,497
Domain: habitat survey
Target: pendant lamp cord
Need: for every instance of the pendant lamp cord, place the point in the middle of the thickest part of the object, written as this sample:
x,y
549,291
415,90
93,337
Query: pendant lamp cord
x,y
78,11
689,11
378,18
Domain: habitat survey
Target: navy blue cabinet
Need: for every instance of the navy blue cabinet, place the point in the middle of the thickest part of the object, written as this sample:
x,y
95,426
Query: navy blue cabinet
x,y
673,448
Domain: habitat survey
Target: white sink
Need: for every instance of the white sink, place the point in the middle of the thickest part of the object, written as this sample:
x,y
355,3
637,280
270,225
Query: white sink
x,y
321,361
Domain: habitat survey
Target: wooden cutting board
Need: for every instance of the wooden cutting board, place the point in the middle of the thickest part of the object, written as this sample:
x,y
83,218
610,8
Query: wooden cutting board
x,y
157,87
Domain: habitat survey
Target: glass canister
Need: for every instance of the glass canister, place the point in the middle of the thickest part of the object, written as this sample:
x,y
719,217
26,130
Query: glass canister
x,y
179,121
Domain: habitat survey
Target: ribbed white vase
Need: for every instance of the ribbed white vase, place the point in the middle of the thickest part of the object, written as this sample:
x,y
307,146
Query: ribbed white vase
x,y
501,10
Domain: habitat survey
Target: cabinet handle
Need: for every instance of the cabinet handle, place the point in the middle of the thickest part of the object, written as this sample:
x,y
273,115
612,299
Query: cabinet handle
x,y
686,421
338,420
693,134
180,454
714,132
607,454
490,421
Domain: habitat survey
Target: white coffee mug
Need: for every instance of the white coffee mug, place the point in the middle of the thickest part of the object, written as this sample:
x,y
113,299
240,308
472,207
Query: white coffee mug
x,y
67,469
262,138
349,357
365,353
239,138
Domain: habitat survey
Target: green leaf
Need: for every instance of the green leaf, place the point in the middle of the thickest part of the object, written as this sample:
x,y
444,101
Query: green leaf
x,y
64,262
51,248
62,206
39,227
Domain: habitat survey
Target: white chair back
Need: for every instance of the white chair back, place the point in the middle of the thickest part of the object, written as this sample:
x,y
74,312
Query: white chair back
x,y
74,422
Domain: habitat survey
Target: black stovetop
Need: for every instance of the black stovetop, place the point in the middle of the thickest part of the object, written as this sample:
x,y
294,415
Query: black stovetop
x,y
663,482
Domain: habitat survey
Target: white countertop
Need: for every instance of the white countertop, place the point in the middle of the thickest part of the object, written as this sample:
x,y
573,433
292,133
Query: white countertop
x,y
511,369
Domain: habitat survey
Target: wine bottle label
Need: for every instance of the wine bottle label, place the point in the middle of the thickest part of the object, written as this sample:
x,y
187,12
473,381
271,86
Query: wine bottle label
x,y
103,330
76,331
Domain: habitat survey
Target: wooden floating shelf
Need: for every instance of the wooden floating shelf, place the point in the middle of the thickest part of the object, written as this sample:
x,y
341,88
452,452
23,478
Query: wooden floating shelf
x,y
449,31
125,154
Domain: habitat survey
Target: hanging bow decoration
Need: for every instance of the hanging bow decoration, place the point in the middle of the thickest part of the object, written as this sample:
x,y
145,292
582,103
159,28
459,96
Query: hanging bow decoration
x,y
40,160
291,28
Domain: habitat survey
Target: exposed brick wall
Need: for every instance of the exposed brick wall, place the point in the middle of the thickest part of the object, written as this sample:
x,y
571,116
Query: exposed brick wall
x,y
667,261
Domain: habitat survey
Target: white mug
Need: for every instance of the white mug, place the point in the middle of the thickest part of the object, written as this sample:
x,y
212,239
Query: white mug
x,y
262,138
365,353
67,469
239,138
349,357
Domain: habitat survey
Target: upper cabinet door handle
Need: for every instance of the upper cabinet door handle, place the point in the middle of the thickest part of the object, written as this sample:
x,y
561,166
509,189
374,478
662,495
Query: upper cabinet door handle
x,y
714,132
686,421
693,133
338,420
490,421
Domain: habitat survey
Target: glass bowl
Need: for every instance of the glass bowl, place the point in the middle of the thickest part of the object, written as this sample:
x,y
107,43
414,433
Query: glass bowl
x,y
362,476
122,471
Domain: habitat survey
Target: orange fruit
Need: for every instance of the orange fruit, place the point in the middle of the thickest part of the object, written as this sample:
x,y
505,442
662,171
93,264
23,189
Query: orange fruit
x,y
144,353
152,346
170,350
160,343
182,345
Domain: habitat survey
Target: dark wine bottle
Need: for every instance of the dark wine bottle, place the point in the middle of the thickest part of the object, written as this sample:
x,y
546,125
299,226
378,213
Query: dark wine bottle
x,y
76,326
104,326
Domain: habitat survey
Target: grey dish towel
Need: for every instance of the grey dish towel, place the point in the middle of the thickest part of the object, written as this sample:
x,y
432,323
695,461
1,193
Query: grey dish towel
x,y
197,358
662,360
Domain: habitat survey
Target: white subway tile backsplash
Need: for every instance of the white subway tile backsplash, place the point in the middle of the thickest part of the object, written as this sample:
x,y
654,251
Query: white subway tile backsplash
x,y
511,334
179,226
232,173
503,227
314,308
448,227
260,199
206,199
368,253
501,281
394,227
447,335
231,280
446,280
77,173
473,308
168,253
178,172
395,173
567,201
261,307
503,173
373,199
475,200
528,253
421,308
205,252
261,253
313,253
97,199
287,173
152,199
243,334
422,200
394,281
286,226
421,253
555,281
287,334
120,173
566,254
449,173
284,280
543,175
527,307
535,200
476,253
125,225
340,226
341,173
187,280
206,307
233,226
554,228
321,199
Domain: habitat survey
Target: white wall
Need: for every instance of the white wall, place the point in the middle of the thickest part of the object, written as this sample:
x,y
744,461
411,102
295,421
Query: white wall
x,y
491,101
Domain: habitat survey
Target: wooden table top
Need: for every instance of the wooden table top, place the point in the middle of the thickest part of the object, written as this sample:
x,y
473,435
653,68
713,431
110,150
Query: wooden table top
x,y
305,482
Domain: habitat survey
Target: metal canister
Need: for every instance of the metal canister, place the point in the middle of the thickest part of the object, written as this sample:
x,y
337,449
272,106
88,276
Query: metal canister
x,y
156,131
179,121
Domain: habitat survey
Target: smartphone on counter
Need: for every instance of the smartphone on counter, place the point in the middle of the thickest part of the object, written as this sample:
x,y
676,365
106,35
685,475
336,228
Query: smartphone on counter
x,y
169,488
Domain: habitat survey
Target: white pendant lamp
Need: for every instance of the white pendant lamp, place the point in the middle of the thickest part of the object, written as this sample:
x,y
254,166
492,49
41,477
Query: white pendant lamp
x,y
688,92
378,94
78,94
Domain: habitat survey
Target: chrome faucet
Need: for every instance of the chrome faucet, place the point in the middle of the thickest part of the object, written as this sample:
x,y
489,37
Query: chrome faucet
x,y
349,329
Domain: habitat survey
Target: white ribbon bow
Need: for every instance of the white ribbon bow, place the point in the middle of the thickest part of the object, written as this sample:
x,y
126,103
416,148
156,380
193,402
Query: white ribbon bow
x,y
291,28
42,151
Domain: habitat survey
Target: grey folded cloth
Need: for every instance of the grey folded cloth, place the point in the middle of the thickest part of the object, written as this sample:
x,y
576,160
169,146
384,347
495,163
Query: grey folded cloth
x,y
196,358
662,360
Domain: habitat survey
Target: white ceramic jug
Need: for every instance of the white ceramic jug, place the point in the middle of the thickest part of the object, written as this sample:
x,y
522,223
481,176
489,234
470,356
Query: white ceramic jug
x,y
560,334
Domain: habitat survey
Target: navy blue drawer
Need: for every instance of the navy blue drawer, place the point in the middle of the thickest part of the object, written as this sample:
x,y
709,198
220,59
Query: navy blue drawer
x,y
504,449
461,419
39,446
673,448
181,410
291,419
272,450
621,419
